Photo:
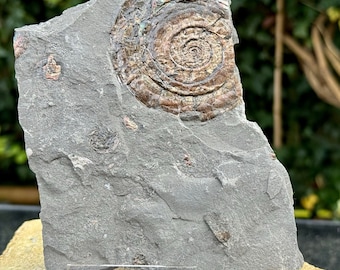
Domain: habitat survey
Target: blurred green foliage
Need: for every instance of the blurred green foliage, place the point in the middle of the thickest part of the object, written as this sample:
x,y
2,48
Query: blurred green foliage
x,y
16,13
311,150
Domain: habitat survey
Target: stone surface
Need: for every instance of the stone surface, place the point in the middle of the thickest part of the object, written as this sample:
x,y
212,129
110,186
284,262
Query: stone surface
x,y
119,180
28,241
25,250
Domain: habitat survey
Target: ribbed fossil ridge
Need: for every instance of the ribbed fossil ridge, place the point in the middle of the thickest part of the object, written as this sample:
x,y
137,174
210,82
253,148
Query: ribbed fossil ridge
x,y
177,55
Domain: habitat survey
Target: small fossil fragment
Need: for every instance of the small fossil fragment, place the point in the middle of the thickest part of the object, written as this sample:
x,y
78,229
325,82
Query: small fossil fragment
x,y
187,160
177,55
20,44
139,259
218,227
129,123
103,140
52,70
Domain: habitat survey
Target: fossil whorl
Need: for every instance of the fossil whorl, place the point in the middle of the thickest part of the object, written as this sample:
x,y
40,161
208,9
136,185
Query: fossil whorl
x,y
177,55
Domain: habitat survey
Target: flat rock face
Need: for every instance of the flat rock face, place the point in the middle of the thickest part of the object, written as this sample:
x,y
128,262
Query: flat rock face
x,y
124,180
28,240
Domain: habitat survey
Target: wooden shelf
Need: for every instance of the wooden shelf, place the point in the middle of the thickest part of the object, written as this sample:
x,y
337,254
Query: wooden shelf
x,y
19,195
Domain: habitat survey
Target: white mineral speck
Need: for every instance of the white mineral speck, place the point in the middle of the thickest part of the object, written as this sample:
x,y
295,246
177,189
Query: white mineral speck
x,y
29,152
108,186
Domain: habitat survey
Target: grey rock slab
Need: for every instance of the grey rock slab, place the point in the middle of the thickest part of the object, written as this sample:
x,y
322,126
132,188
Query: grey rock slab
x,y
121,183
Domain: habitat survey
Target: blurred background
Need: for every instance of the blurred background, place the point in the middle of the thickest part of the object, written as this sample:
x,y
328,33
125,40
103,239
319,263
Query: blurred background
x,y
306,114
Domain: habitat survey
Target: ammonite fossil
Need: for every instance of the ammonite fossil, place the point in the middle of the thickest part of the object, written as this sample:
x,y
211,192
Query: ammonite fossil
x,y
177,55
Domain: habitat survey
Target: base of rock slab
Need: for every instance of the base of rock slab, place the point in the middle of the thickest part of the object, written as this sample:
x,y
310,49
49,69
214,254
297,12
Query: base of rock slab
x,y
25,250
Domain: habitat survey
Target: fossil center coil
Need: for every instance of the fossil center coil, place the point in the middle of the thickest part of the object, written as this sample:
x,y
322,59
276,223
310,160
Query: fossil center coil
x,y
177,55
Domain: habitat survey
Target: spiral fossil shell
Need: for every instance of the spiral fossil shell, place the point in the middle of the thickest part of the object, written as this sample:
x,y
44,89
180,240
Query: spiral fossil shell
x,y
177,55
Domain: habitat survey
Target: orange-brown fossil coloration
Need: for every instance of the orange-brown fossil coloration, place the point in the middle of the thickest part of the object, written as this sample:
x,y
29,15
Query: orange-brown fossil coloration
x,y
52,70
177,55
20,44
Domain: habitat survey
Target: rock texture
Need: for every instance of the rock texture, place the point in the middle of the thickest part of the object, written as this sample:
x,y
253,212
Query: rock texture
x,y
25,250
120,180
